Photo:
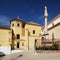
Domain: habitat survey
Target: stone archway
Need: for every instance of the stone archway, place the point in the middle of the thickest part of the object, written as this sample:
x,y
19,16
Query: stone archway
x,y
17,45
35,44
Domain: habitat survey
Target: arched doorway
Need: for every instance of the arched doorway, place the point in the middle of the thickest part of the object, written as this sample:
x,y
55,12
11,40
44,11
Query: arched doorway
x,y
17,45
35,44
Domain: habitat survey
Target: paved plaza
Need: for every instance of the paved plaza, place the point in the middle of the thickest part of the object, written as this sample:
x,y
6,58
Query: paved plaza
x,y
30,55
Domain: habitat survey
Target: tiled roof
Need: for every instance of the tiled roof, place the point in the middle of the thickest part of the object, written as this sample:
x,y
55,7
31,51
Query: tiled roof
x,y
33,23
19,20
4,27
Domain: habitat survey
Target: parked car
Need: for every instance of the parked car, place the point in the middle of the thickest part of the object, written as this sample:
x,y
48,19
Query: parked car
x,y
2,54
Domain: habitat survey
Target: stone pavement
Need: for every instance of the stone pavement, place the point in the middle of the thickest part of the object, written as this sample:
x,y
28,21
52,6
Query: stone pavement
x,y
31,55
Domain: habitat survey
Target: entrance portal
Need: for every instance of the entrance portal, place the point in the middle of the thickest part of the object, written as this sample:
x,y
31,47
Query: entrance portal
x,y
35,43
17,45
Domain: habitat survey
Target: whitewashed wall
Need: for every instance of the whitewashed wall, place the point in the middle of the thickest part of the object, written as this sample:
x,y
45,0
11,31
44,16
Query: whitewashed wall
x,y
54,22
5,49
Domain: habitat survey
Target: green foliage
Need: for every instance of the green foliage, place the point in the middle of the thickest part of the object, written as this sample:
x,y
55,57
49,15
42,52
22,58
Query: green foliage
x,y
53,47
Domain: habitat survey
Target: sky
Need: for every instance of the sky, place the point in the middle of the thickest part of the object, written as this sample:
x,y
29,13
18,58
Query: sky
x,y
27,10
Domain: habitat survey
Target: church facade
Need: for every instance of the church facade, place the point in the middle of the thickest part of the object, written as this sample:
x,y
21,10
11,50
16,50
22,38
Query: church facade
x,y
25,35
21,35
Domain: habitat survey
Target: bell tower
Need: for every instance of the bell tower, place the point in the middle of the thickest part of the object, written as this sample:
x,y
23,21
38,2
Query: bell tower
x,y
46,18
17,29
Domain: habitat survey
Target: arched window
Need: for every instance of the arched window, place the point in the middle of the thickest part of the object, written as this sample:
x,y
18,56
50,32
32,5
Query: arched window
x,y
18,24
18,36
12,25
33,31
35,46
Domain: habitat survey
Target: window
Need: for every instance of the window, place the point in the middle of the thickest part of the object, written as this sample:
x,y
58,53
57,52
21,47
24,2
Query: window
x,y
33,31
35,40
17,45
12,25
18,36
35,43
18,24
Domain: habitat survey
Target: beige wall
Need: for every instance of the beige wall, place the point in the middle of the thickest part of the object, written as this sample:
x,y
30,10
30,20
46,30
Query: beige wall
x,y
33,27
56,31
32,37
5,37
27,38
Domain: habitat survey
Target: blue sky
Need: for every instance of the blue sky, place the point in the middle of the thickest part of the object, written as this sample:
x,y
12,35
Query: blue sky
x,y
28,10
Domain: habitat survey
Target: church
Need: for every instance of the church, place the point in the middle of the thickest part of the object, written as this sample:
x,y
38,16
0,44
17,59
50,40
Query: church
x,y
28,36
21,35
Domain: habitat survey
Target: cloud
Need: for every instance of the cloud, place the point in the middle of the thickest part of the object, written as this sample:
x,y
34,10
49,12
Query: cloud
x,y
4,20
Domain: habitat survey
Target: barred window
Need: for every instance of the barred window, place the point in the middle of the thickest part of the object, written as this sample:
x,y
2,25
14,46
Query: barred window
x,y
12,25
18,24
18,36
33,31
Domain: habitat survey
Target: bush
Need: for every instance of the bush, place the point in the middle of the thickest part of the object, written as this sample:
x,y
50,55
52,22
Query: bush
x,y
53,47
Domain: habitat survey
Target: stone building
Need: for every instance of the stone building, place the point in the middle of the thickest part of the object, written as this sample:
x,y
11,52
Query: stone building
x,y
26,35
54,29
5,36
21,35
